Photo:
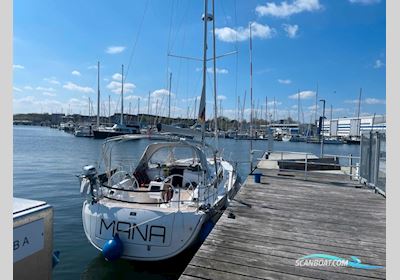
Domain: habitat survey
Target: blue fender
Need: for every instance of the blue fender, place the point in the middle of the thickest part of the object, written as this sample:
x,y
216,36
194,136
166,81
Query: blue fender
x,y
113,248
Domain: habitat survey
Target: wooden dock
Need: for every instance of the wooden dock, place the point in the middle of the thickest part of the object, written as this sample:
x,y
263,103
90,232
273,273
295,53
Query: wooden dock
x,y
285,218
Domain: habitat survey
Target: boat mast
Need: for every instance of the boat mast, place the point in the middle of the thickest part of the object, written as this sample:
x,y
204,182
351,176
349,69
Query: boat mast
x,y
202,106
169,97
238,114
195,106
298,108
243,107
316,102
148,105
109,108
251,89
98,94
215,81
274,108
122,96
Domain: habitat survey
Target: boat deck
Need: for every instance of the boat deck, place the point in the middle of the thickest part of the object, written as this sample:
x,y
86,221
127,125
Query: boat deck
x,y
268,226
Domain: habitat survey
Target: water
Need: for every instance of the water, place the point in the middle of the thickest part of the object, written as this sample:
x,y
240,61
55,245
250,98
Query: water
x,y
46,162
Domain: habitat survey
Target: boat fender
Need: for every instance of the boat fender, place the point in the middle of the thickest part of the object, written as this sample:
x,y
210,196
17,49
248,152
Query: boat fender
x,y
113,248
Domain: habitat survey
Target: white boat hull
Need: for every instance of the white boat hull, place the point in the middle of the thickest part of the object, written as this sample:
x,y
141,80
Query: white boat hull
x,y
146,234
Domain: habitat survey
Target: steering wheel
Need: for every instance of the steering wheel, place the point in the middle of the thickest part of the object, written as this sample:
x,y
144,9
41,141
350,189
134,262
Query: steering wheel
x,y
121,175
188,191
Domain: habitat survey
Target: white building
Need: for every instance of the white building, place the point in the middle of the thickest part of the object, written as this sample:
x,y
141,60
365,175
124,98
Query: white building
x,y
347,127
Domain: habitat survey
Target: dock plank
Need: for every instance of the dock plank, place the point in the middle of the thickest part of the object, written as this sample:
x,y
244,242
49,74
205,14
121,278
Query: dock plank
x,y
286,217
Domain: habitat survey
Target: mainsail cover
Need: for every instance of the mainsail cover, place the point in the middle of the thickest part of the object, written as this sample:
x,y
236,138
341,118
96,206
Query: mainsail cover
x,y
202,107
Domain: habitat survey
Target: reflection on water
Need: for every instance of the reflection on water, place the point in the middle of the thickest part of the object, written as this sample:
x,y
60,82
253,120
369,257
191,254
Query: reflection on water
x,y
99,268
46,162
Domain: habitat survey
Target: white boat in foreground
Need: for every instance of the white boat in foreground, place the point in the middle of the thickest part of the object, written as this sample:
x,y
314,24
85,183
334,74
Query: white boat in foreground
x,y
160,207
155,209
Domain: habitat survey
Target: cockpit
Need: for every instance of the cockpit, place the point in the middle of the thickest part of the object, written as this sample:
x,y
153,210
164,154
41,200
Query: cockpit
x,y
166,172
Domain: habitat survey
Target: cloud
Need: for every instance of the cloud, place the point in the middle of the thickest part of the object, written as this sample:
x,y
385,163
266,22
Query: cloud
x,y
45,89
368,101
159,103
303,95
29,104
218,70
211,70
159,93
91,67
115,49
271,103
76,73
117,76
115,87
378,64
365,2
221,97
28,88
49,94
285,9
26,99
227,34
191,99
17,89
75,87
18,66
52,80
284,81
291,30
374,101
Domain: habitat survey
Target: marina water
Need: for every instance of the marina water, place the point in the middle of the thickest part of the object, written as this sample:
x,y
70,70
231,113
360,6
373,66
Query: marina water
x,y
46,162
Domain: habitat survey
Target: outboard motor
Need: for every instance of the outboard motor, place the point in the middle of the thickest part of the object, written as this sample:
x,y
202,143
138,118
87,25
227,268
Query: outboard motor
x,y
88,179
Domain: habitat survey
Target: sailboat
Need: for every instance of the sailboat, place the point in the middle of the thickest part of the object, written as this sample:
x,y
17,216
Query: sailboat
x,y
85,129
103,132
166,202
286,137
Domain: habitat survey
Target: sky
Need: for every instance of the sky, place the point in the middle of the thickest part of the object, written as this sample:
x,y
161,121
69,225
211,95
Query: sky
x,y
333,48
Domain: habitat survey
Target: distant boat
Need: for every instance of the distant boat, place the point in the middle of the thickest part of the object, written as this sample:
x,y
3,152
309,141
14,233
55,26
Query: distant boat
x,y
84,131
286,138
353,140
333,140
298,138
242,136
116,130
67,127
